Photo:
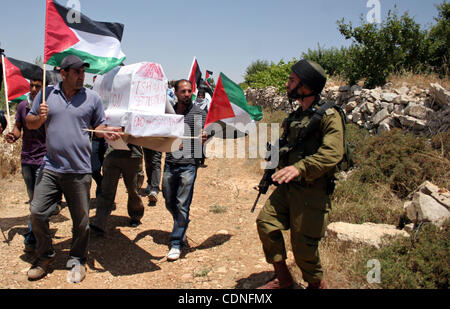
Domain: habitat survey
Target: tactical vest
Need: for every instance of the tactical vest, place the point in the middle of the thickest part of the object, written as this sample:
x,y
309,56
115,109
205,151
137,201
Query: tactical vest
x,y
302,136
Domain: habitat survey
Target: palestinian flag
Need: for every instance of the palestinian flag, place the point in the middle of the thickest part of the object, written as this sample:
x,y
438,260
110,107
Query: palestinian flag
x,y
230,109
195,76
209,80
97,43
18,75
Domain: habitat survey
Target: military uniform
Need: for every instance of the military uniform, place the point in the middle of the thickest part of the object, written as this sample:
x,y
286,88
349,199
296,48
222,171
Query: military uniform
x,y
303,204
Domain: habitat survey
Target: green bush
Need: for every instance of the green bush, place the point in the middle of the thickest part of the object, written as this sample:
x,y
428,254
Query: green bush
x,y
397,44
401,160
418,262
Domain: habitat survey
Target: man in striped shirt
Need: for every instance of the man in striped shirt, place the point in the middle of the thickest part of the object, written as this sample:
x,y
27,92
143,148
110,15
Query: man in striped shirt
x,y
180,170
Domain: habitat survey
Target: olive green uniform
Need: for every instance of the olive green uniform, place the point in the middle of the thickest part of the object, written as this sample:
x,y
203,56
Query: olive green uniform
x,y
303,204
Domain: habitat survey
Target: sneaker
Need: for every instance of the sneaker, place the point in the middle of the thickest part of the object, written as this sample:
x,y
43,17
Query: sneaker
x,y
39,269
135,223
77,272
174,254
153,197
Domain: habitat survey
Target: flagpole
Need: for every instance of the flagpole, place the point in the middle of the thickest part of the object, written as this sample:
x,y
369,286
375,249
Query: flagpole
x,y
6,93
43,82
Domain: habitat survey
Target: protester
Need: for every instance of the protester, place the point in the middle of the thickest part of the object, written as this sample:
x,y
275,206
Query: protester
x,y
68,110
170,93
201,101
127,163
153,170
180,169
33,150
307,167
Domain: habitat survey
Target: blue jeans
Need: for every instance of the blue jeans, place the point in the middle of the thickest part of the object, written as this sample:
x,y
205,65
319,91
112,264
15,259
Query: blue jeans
x,y
29,174
178,190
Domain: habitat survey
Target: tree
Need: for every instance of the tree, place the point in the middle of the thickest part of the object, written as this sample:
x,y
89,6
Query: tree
x,y
398,44
253,69
440,40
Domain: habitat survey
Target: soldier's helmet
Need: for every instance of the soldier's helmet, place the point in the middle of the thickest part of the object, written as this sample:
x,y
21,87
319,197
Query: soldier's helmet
x,y
311,74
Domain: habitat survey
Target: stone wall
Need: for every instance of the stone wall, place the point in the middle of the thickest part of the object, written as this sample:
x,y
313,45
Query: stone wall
x,y
379,109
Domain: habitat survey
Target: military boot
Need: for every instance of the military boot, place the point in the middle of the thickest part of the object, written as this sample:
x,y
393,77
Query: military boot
x,y
317,286
283,278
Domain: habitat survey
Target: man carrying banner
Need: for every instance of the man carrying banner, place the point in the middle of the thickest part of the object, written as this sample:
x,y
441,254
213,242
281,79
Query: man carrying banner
x,y
180,169
308,161
67,110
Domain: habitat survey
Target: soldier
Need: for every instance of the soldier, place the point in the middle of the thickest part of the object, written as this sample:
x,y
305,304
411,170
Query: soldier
x,y
306,177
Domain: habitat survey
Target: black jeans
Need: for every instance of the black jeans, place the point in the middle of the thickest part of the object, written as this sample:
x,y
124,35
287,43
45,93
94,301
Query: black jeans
x,y
99,147
112,168
153,168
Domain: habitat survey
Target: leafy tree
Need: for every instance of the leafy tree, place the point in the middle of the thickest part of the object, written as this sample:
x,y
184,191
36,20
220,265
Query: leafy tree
x,y
397,44
254,68
440,40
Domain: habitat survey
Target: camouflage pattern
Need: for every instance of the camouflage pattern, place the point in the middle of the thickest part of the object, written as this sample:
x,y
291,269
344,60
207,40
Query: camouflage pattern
x,y
303,204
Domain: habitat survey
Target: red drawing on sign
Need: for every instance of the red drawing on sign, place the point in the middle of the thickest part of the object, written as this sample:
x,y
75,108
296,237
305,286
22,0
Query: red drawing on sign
x,y
152,70
139,122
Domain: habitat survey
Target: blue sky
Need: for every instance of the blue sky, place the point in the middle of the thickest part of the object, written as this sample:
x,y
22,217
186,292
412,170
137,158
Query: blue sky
x,y
225,36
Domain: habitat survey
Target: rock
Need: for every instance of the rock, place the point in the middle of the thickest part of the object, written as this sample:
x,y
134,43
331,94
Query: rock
x,y
356,115
402,90
350,106
440,195
383,127
368,233
417,111
424,208
388,97
368,108
412,123
440,94
409,228
380,116
376,94
345,88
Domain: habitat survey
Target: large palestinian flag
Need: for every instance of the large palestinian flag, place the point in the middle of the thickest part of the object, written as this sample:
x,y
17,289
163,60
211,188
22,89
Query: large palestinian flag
x,y
195,76
18,73
230,109
98,43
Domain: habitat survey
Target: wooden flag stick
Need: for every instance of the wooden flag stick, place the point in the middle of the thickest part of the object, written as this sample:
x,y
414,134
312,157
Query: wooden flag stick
x,y
6,93
43,82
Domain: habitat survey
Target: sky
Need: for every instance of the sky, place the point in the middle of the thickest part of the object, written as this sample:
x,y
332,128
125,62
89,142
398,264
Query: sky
x,y
225,36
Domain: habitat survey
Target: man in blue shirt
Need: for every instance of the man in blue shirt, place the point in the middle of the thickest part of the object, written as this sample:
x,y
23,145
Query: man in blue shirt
x,y
67,111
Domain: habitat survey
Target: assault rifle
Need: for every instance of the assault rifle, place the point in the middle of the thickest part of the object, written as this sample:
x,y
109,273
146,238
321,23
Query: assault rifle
x,y
266,180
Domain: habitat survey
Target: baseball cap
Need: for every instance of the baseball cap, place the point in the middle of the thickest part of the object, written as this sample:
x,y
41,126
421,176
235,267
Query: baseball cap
x,y
72,61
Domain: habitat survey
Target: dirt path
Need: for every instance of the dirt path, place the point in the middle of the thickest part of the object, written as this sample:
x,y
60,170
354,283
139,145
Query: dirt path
x,y
224,252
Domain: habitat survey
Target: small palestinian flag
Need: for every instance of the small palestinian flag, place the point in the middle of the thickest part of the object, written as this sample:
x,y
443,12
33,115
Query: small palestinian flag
x,y
195,76
209,80
230,109
18,75
68,32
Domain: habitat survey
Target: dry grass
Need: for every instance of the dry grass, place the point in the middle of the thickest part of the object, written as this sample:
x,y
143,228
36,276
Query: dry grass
x,y
419,80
